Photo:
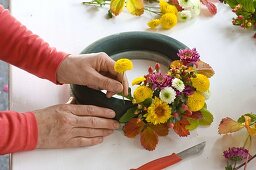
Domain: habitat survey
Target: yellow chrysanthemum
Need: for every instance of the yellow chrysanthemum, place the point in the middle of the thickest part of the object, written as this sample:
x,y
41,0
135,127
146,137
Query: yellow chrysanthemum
x,y
123,65
168,20
196,101
165,7
158,112
201,83
153,23
141,93
176,63
138,80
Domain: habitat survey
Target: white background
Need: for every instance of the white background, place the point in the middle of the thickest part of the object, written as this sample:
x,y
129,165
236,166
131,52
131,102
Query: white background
x,y
70,27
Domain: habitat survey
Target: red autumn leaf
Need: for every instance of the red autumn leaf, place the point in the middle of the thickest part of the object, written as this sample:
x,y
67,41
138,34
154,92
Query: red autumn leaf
x,y
179,127
160,129
133,127
148,139
211,7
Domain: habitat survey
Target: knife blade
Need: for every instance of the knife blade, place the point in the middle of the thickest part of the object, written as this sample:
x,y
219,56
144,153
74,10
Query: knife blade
x,y
174,158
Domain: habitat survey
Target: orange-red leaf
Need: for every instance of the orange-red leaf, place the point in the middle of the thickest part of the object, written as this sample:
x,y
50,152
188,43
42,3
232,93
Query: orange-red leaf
x,y
180,127
133,127
148,139
228,125
205,69
160,129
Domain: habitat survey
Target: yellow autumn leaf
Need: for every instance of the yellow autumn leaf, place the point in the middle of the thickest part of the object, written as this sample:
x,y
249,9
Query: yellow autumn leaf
x,y
135,7
116,6
228,125
205,69
250,130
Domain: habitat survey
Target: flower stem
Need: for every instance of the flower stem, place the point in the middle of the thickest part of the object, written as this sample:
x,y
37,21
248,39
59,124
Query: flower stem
x,y
246,140
152,11
254,156
123,88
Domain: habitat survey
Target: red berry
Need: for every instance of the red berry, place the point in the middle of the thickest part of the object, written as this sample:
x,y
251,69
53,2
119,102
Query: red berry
x,y
171,125
157,66
175,114
150,70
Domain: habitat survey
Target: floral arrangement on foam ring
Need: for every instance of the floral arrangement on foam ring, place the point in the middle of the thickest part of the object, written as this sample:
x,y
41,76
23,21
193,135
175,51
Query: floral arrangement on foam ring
x,y
245,11
167,13
235,155
173,100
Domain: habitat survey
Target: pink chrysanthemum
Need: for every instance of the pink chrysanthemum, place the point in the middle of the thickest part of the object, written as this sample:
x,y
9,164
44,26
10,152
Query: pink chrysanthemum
x,y
188,56
159,80
236,154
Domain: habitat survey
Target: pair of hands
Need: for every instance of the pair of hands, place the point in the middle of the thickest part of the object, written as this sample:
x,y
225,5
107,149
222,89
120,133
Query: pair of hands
x,y
70,125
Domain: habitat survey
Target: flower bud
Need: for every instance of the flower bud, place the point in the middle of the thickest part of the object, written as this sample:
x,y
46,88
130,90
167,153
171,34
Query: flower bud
x,y
188,112
139,106
157,67
240,17
184,107
175,114
249,24
150,70
171,125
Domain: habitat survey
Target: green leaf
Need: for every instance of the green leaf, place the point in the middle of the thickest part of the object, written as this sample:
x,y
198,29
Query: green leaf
x,y
247,5
207,118
231,3
252,116
194,123
129,96
147,102
128,115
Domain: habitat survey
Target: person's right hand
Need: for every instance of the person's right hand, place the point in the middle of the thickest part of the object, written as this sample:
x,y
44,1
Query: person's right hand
x,y
69,125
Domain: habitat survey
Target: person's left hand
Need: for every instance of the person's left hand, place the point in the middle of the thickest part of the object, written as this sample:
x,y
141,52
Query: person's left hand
x,y
94,70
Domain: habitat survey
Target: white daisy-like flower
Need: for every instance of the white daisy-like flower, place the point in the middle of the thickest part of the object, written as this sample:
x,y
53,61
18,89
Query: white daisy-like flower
x,y
207,94
194,6
184,15
167,95
178,84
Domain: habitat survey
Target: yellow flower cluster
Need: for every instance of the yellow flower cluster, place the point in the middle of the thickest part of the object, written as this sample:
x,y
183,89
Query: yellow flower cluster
x,y
201,83
168,18
138,80
141,93
196,101
158,112
123,65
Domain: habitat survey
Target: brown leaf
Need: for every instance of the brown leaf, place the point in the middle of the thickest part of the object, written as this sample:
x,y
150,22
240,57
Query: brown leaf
x,y
133,127
205,69
180,127
148,139
228,125
160,129
116,6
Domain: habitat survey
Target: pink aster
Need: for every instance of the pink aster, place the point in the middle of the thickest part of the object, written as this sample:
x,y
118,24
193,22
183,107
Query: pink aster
x,y
159,80
188,56
236,154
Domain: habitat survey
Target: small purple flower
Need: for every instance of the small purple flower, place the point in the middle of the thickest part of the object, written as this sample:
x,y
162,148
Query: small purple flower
x,y
159,81
236,154
188,90
188,56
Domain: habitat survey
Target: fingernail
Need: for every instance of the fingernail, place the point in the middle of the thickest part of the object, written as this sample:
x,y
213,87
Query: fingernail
x,y
112,113
116,125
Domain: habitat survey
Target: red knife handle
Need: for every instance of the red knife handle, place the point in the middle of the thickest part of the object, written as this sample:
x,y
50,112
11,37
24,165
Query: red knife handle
x,y
161,163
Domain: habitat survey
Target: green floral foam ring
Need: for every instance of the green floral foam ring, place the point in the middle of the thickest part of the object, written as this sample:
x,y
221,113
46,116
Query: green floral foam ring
x,y
117,45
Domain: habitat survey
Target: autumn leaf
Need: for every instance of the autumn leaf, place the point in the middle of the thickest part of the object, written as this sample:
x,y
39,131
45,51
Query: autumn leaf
x,y
116,6
180,128
205,69
207,117
133,127
211,7
228,125
148,139
250,130
135,7
160,129
194,115
193,124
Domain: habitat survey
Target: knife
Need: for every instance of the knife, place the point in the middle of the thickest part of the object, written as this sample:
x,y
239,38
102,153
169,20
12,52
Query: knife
x,y
174,158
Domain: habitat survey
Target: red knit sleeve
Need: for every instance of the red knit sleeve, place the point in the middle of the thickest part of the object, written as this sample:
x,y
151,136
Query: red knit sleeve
x,y
22,48
18,132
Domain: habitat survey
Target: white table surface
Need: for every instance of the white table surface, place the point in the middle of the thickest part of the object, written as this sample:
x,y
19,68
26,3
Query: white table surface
x,y
69,26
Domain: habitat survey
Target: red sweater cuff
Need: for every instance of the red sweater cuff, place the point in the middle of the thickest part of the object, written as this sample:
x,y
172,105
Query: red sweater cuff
x,y
18,132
